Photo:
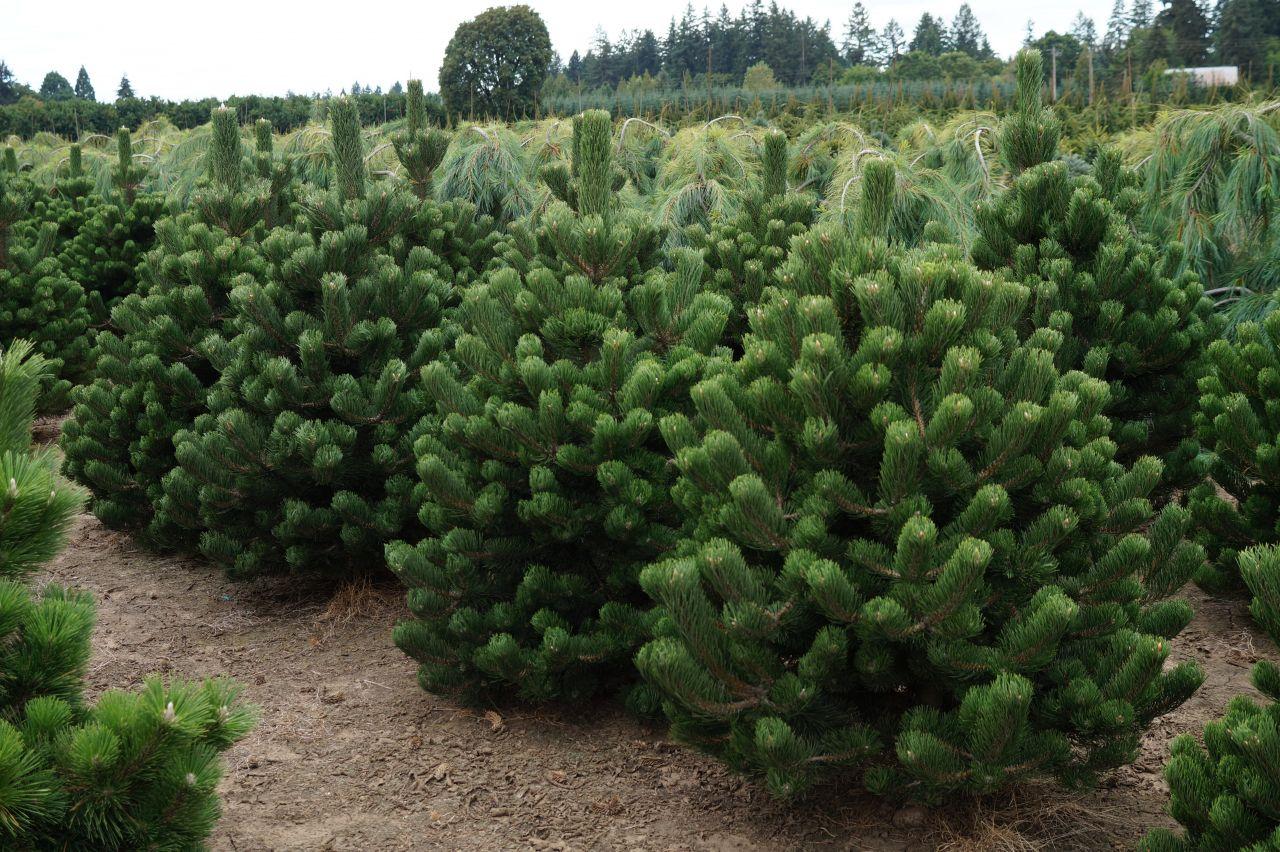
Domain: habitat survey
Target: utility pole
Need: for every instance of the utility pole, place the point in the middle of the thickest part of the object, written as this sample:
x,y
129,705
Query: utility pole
x,y
1053,74
1090,54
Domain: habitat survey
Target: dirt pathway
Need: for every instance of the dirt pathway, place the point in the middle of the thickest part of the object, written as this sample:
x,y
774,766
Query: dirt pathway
x,y
351,754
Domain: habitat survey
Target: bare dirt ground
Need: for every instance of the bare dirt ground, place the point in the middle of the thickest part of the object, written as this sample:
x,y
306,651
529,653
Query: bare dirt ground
x,y
352,754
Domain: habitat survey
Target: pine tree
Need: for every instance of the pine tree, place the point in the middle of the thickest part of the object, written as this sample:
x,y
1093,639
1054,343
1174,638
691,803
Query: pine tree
x,y
1028,136
930,36
1238,422
153,370
303,459
84,89
966,34
125,89
860,42
1127,316
38,302
136,770
1226,794
744,252
419,150
544,485
1117,35
113,237
36,506
892,42
916,556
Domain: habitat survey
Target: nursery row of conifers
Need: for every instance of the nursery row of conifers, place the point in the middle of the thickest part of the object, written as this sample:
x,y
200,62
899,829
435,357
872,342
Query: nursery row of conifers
x,y
838,499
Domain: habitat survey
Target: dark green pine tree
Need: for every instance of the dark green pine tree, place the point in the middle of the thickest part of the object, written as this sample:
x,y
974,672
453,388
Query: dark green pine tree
x,y
1028,135
745,251
153,371
1127,316
419,149
1226,794
136,770
38,302
304,459
915,556
544,482
114,235
1238,423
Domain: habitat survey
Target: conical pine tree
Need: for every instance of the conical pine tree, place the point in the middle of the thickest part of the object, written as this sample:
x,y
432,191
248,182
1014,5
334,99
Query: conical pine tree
x,y
153,369
744,252
1238,423
115,234
419,149
914,555
304,458
544,480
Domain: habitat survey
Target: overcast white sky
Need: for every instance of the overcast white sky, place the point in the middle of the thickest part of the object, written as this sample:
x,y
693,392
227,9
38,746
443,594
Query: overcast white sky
x,y
197,48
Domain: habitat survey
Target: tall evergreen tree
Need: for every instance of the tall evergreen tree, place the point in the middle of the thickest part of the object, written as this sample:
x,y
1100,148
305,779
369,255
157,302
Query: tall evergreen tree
x,y
930,37
8,85
1236,39
1141,16
84,89
1118,27
125,89
860,42
966,34
1084,31
892,42
1188,29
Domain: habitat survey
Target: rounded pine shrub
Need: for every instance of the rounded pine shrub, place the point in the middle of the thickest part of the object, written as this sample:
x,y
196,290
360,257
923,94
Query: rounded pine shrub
x,y
544,481
914,555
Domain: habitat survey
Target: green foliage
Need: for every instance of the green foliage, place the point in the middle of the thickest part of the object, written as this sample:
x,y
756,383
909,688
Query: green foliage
x,y
485,167
1226,794
420,150
913,552
153,370
112,237
544,483
302,459
36,505
1127,315
744,252
1029,135
495,64
136,770
38,302
1238,422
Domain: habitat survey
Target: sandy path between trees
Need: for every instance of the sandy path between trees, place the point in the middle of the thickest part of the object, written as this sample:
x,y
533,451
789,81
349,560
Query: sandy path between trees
x,y
351,754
